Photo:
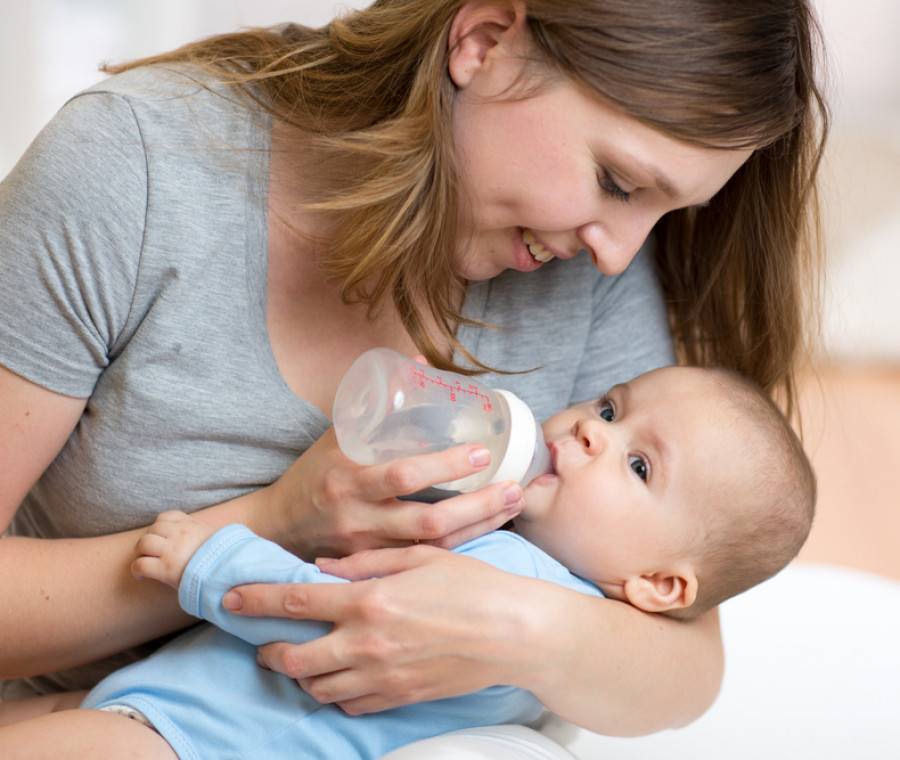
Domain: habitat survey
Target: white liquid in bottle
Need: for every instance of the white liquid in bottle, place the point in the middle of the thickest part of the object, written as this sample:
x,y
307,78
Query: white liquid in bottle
x,y
388,406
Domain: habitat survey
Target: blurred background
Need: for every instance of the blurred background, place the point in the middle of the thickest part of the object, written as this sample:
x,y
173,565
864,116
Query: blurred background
x,y
50,49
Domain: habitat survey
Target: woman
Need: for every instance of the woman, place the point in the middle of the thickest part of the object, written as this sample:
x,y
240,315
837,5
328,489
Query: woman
x,y
194,251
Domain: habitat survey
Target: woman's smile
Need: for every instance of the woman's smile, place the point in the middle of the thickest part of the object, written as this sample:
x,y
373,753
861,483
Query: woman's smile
x,y
524,259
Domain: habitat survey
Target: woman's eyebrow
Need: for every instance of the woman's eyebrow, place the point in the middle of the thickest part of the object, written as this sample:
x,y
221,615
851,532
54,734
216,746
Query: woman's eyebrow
x,y
659,178
661,181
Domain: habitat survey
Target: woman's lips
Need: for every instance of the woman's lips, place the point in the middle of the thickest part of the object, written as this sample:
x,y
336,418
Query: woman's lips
x,y
524,262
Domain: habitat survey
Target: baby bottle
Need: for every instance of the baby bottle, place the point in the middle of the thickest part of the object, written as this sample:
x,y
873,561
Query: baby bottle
x,y
388,406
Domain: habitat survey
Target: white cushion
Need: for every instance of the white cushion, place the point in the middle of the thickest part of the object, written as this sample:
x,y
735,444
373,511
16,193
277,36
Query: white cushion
x,y
812,671
490,743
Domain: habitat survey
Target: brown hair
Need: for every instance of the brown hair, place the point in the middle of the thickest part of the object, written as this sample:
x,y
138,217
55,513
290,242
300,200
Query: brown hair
x,y
373,91
761,521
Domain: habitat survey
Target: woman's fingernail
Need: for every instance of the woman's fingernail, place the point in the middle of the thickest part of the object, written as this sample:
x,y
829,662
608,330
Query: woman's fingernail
x,y
325,561
232,601
480,457
512,494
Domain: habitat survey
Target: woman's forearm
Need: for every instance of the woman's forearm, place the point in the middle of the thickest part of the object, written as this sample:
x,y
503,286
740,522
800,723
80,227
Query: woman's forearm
x,y
613,669
66,602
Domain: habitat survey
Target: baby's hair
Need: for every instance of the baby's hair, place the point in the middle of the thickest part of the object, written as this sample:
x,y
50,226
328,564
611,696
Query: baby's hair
x,y
767,519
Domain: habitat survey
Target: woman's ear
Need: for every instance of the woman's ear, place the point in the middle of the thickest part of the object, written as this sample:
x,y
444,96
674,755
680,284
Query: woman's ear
x,y
662,591
482,26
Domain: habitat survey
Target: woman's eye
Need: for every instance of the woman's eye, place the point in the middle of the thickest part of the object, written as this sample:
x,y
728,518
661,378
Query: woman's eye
x,y
611,187
639,466
606,411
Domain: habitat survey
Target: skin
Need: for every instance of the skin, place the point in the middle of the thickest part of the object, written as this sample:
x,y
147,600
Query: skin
x,y
325,504
627,493
525,166
622,503
633,471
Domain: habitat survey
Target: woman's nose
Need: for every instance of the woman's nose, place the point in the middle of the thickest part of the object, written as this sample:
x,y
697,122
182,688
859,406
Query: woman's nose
x,y
613,249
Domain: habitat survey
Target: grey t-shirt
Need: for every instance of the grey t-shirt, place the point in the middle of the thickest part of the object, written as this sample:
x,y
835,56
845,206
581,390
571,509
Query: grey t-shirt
x,y
133,255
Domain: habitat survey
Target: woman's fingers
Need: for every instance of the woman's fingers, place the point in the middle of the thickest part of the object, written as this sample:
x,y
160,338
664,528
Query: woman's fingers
x,y
372,703
303,661
405,476
337,687
376,563
453,521
494,522
301,601
435,522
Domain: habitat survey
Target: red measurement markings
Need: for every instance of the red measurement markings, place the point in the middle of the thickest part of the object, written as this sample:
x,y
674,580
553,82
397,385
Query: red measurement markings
x,y
453,391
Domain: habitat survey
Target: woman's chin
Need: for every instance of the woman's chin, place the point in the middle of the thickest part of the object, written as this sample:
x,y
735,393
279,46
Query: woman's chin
x,y
479,272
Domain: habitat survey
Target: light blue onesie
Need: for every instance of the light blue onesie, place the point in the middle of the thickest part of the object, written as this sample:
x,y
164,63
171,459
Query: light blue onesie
x,y
207,696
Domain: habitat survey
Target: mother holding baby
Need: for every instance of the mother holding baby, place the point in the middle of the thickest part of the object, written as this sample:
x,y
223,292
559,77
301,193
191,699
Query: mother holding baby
x,y
194,251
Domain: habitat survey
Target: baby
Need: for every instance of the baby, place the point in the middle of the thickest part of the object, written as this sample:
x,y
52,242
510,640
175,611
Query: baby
x,y
674,492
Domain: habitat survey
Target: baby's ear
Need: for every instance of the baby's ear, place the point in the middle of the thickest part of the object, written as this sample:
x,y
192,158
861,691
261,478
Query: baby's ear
x,y
662,591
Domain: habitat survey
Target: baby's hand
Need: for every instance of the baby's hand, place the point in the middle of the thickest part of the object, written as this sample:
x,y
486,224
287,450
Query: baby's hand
x,y
167,546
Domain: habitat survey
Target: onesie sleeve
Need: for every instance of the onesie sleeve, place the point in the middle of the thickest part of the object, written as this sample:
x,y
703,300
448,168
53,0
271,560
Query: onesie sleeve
x,y
510,552
629,331
72,215
233,556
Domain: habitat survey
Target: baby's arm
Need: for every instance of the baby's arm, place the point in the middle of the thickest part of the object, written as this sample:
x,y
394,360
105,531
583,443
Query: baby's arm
x,y
203,564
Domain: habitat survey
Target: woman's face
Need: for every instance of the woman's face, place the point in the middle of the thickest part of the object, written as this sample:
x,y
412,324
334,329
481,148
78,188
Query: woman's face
x,y
562,171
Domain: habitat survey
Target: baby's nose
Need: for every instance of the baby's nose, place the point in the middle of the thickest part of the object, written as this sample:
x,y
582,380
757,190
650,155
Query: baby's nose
x,y
592,436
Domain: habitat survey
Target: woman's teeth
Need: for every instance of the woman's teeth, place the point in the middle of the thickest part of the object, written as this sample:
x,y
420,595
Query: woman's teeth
x,y
537,251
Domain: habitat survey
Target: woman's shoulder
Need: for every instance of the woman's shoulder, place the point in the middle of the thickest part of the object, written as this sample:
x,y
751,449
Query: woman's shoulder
x,y
179,105
171,83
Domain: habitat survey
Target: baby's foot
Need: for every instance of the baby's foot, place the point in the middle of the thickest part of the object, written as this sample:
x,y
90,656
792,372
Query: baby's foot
x,y
167,546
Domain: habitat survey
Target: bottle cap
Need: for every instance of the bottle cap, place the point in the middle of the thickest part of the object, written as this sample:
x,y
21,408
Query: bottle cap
x,y
522,436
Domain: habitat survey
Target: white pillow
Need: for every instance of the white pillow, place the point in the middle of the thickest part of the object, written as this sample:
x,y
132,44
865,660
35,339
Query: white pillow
x,y
812,672
490,743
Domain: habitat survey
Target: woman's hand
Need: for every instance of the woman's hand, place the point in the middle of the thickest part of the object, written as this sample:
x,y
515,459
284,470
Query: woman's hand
x,y
327,506
415,633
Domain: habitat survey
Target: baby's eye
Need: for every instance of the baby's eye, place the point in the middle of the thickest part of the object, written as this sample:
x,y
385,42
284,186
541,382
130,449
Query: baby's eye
x,y
638,465
606,410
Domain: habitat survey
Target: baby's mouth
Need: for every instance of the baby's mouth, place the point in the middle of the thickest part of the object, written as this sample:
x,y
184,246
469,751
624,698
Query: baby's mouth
x,y
536,249
551,475
554,456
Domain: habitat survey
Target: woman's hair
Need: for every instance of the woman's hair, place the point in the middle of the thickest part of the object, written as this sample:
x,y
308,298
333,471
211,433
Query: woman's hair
x,y
372,96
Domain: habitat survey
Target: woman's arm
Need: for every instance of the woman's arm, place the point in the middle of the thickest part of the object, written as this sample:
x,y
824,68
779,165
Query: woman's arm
x,y
436,624
65,602
614,669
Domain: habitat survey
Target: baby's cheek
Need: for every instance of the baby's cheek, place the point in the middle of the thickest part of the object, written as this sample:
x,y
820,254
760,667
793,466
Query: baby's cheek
x,y
556,426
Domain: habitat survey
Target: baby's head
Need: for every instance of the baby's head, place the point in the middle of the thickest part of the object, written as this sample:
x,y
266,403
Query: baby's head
x,y
674,492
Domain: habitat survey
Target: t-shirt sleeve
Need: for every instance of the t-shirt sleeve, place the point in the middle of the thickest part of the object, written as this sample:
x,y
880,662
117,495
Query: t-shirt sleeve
x,y
72,217
629,331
